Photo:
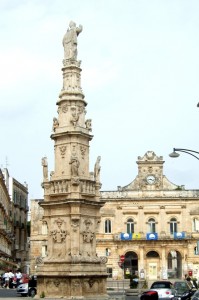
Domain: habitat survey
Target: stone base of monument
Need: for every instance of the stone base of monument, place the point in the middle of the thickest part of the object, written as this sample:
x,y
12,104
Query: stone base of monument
x,y
72,281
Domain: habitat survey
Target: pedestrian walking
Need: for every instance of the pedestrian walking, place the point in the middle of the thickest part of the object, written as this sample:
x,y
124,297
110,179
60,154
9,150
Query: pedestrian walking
x,y
7,279
18,277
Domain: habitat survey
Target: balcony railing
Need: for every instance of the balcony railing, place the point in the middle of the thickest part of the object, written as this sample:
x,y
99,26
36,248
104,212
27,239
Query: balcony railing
x,y
143,237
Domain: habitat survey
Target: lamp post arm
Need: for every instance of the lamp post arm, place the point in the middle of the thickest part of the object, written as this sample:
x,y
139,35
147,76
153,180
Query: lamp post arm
x,y
190,152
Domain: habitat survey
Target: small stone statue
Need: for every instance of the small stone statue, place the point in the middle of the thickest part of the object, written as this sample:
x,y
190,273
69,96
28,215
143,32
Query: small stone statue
x,y
88,124
55,123
45,168
74,166
97,169
70,41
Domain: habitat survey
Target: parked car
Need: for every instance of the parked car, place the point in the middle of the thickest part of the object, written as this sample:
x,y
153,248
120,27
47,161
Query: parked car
x,y
149,295
164,288
29,288
184,289
195,296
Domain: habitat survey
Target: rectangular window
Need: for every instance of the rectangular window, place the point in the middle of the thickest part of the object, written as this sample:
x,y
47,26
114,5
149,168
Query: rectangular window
x,y
195,225
173,228
110,272
108,226
152,227
44,251
130,228
108,252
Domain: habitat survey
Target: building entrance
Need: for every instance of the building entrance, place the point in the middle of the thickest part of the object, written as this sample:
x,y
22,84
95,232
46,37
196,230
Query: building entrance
x,y
131,264
174,264
153,264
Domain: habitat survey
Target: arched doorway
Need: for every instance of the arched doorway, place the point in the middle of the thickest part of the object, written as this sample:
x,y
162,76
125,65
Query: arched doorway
x,y
174,262
131,263
153,264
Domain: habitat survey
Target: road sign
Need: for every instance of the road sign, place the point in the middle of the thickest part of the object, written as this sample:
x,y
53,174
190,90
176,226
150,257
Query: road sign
x,y
122,258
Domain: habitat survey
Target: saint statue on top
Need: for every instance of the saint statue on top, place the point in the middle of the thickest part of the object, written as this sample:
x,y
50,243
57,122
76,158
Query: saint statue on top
x,y
70,41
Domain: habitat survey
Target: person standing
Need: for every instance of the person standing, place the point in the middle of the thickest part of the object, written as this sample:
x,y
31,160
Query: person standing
x,y
7,279
18,276
11,276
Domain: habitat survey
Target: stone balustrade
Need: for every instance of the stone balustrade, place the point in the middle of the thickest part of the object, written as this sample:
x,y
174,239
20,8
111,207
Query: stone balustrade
x,y
87,187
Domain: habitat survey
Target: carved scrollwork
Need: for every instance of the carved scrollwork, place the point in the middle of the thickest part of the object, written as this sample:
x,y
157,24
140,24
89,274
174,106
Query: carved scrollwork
x,y
56,282
91,282
83,151
58,235
39,260
64,108
62,151
75,259
75,223
88,235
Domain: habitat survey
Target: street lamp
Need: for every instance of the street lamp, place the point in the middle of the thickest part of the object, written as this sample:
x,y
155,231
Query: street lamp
x,y
175,153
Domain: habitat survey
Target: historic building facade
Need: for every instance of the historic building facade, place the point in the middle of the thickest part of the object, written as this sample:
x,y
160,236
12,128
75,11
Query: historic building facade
x,y
151,224
6,226
15,221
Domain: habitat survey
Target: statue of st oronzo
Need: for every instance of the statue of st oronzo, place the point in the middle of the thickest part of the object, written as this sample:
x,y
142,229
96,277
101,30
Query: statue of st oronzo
x,y
70,41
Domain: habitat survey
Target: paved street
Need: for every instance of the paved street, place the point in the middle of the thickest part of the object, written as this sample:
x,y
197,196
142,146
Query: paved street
x,y
11,294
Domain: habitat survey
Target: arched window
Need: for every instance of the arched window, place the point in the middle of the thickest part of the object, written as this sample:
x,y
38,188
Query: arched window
x,y
151,225
130,226
107,226
173,225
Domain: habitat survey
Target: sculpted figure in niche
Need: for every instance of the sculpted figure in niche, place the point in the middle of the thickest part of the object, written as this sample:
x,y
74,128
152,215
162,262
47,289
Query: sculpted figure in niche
x,y
88,237
45,168
57,237
74,116
74,162
70,41
97,169
55,123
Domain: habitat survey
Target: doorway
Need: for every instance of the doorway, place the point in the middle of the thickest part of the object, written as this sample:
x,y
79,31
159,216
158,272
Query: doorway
x,y
131,263
174,264
153,264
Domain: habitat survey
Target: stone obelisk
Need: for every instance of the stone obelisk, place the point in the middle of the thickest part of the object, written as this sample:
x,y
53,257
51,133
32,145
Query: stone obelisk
x,y
72,269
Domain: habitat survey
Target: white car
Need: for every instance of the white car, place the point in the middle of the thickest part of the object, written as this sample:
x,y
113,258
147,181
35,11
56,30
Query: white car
x,y
164,288
25,290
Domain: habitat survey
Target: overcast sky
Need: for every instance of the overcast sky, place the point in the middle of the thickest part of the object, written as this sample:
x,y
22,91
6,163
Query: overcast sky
x,y
140,77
